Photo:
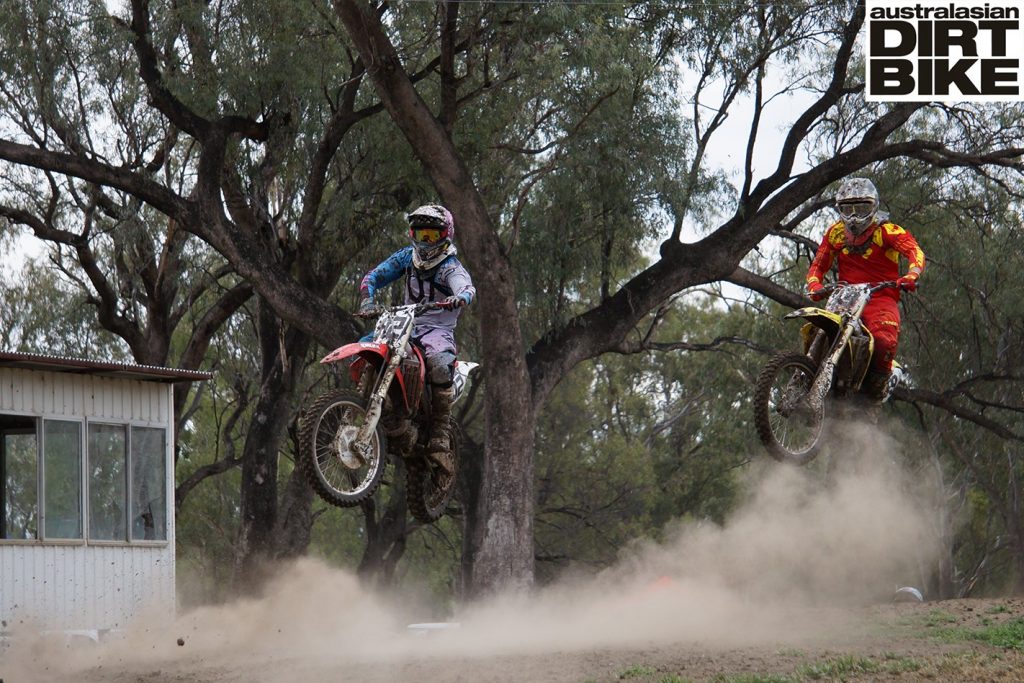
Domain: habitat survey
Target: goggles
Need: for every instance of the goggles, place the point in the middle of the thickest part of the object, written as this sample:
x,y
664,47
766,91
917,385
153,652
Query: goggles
x,y
426,235
856,209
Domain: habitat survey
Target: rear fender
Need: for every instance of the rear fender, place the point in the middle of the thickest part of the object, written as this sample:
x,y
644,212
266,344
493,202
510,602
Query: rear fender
x,y
460,379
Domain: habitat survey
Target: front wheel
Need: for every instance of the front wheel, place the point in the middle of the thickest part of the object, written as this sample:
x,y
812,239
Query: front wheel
x,y
328,456
790,430
430,482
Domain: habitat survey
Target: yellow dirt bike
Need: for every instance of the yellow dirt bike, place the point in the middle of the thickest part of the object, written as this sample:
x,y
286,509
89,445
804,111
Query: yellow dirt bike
x,y
792,395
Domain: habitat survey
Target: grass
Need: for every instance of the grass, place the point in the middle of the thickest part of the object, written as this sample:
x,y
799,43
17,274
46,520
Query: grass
x,y
998,609
834,669
895,664
754,678
636,672
937,617
839,668
640,671
1008,635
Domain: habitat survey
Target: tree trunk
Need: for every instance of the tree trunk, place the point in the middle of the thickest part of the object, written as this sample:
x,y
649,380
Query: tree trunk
x,y
500,529
295,518
281,363
469,493
385,537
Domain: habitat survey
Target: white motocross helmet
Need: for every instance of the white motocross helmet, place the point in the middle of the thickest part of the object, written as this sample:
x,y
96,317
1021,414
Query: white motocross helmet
x,y
431,231
857,202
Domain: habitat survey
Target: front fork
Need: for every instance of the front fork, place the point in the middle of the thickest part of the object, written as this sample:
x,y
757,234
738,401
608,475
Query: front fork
x,y
361,443
823,380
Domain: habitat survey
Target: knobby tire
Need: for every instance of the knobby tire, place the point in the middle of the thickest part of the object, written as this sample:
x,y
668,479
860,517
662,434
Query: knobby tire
x,y
428,489
763,408
310,434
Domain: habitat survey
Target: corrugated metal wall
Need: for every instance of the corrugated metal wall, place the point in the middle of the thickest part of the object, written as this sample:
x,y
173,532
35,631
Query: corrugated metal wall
x,y
52,394
83,586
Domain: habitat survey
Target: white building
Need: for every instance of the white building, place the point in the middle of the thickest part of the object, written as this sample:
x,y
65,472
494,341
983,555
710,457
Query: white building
x,y
86,492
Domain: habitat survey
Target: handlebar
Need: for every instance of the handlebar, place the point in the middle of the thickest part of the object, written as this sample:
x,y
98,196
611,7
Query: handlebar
x,y
872,287
417,309
883,285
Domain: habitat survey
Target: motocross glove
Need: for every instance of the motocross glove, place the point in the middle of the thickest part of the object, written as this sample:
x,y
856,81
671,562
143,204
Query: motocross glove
x,y
814,291
908,282
367,309
451,303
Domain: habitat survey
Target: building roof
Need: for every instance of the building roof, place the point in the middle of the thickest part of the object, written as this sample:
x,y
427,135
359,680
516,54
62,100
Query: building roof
x,y
151,373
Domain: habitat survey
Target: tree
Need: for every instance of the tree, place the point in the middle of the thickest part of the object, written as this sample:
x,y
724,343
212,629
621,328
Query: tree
x,y
503,523
442,76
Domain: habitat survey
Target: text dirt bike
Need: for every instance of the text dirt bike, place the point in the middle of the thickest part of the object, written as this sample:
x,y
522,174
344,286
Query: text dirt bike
x,y
346,434
793,391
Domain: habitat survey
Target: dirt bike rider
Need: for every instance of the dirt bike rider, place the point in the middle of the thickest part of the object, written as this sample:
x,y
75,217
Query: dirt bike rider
x,y
433,273
867,247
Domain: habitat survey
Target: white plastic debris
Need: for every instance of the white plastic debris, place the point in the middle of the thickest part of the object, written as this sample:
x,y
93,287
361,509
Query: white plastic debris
x,y
907,594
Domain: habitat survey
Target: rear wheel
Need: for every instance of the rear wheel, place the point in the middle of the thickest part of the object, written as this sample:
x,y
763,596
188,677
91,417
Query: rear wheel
x,y
787,426
431,481
334,468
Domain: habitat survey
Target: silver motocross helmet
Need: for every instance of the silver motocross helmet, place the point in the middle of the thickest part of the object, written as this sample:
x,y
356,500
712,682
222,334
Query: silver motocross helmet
x,y
857,202
431,231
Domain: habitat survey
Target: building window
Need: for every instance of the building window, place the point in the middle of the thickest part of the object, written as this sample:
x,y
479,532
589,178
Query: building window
x,y
62,479
19,488
149,483
44,467
108,450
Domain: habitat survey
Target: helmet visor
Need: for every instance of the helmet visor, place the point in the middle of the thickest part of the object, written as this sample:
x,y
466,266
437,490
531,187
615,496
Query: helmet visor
x,y
861,210
426,235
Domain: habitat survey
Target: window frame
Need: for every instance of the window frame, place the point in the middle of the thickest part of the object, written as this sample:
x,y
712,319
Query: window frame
x,y
125,481
41,436
39,480
83,474
168,483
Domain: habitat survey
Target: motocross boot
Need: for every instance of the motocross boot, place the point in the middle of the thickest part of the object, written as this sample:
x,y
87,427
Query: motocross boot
x,y
401,436
440,446
873,388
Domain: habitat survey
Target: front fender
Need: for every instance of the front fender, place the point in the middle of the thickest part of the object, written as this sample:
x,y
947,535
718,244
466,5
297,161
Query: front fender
x,y
819,317
356,349
377,353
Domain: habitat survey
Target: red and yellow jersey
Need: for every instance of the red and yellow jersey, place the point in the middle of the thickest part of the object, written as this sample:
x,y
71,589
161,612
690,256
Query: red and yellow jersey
x,y
875,260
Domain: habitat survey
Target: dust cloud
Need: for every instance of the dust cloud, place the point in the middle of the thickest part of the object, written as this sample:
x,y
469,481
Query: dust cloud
x,y
844,532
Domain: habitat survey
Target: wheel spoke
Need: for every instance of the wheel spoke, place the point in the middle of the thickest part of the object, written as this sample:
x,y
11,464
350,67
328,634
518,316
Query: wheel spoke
x,y
785,422
338,426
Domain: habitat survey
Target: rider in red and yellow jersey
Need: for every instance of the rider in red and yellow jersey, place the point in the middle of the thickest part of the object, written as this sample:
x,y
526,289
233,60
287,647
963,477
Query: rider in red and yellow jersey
x,y
867,247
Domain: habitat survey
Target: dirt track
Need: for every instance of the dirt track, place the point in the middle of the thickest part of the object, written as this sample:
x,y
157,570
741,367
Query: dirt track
x,y
900,642
796,586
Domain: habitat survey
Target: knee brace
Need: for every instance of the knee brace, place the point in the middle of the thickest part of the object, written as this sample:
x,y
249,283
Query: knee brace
x,y
441,369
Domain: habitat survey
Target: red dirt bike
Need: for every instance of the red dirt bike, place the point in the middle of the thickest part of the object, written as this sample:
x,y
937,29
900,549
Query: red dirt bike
x,y
791,397
346,434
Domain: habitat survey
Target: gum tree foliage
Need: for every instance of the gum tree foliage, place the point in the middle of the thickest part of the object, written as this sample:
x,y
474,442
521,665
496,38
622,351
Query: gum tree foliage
x,y
961,340
505,115
73,85
761,205
628,443
968,347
